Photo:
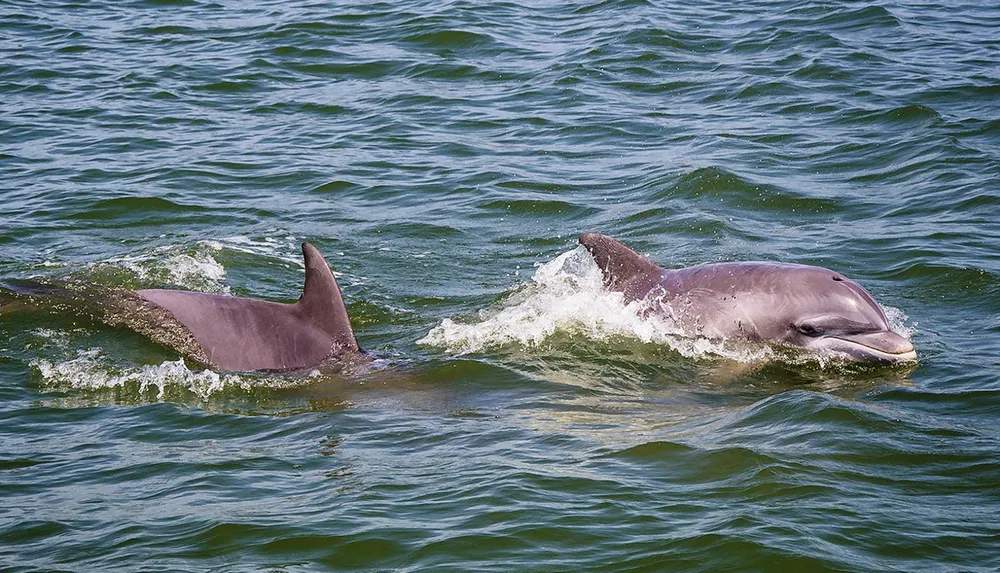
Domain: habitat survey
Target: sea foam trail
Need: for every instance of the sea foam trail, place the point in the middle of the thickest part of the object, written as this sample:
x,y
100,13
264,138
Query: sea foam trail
x,y
91,370
566,295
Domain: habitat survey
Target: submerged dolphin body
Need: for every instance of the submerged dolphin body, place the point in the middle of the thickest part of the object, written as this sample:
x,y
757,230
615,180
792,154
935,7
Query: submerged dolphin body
x,y
801,306
222,332
243,334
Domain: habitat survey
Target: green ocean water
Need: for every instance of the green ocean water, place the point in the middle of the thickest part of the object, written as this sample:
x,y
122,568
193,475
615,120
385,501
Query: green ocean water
x,y
444,157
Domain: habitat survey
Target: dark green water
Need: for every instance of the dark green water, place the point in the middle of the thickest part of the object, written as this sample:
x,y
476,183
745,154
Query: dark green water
x,y
444,156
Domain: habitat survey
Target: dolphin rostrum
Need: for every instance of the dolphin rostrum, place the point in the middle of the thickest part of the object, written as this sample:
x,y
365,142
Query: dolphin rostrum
x,y
800,306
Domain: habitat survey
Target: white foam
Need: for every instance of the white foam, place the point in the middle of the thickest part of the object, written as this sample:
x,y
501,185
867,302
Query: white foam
x,y
90,370
48,335
283,246
567,295
897,322
176,265
194,266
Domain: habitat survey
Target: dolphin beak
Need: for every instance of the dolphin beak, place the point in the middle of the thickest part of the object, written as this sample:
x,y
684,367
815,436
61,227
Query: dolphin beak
x,y
884,346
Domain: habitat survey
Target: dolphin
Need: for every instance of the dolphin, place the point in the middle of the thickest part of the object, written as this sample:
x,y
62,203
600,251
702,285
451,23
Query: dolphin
x,y
245,334
799,306
224,333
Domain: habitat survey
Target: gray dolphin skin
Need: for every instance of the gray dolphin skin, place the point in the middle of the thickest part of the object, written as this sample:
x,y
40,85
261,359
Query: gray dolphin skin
x,y
244,334
800,306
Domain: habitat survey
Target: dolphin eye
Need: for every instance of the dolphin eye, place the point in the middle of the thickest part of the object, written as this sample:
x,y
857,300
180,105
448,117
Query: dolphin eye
x,y
808,329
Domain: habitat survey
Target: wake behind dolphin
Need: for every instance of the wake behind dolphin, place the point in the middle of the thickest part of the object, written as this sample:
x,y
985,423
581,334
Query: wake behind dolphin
x,y
799,306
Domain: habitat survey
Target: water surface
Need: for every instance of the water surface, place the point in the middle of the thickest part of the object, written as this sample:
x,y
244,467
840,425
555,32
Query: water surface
x,y
444,157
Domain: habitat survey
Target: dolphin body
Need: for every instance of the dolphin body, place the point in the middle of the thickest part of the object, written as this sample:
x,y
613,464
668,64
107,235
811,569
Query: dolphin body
x,y
800,306
225,333
245,334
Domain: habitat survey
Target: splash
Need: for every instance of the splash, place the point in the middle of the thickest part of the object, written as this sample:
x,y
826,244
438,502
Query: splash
x,y
191,266
91,370
897,322
195,270
566,295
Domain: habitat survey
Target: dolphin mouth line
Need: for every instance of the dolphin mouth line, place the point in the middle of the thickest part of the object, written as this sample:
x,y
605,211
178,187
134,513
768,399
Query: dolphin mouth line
x,y
905,356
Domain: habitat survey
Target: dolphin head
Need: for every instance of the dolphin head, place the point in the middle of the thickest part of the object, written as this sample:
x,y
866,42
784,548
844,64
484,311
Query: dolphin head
x,y
835,314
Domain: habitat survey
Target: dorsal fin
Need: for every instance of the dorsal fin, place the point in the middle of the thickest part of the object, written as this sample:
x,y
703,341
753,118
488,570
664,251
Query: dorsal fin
x,y
322,302
621,265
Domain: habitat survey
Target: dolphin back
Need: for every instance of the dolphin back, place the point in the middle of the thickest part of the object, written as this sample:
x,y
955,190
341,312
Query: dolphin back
x,y
243,334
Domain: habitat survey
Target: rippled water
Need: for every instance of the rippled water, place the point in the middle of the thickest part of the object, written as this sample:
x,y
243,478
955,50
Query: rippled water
x,y
444,157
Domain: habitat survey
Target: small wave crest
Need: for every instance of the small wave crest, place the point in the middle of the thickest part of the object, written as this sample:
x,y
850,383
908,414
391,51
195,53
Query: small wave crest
x,y
275,244
567,296
187,266
190,266
90,370
195,268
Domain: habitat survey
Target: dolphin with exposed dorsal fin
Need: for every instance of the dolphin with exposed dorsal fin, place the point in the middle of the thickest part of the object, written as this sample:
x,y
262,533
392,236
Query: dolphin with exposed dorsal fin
x,y
244,334
221,332
801,306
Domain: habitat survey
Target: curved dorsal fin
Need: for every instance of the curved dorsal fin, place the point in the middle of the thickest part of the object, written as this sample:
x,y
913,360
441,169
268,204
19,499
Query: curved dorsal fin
x,y
321,300
624,269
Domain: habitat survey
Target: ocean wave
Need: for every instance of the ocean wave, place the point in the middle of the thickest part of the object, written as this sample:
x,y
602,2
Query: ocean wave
x,y
189,267
193,265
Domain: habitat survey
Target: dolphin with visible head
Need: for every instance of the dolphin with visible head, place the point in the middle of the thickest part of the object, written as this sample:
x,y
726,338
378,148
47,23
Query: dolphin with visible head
x,y
225,332
800,306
